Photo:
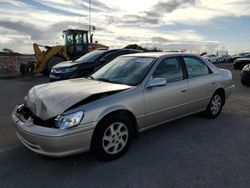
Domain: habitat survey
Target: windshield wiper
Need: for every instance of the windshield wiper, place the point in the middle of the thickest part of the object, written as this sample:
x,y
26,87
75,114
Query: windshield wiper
x,y
104,79
91,78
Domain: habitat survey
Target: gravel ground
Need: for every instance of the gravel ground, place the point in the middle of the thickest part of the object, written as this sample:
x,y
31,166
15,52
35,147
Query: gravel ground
x,y
191,152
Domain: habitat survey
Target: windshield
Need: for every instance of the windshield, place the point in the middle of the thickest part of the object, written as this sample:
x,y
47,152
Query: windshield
x,y
92,56
124,70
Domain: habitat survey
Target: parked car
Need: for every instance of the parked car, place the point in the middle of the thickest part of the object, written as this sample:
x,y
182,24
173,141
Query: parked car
x,y
225,59
86,64
245,75
104,112
241,62
240,55
212,58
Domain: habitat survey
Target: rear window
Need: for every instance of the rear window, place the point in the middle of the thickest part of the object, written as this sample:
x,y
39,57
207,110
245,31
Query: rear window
x,y
91,56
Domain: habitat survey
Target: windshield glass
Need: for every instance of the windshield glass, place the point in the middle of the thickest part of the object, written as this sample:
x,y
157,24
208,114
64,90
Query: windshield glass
x,y
124,70
92,56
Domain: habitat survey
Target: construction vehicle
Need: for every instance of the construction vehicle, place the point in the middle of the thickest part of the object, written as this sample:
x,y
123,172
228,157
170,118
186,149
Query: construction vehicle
x,y
77,43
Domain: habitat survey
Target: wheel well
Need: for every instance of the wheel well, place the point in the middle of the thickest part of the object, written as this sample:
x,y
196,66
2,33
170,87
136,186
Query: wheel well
x,y
126,113
222,92
57,56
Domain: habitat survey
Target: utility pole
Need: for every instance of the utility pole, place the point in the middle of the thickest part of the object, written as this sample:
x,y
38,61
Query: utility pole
x,y
90,17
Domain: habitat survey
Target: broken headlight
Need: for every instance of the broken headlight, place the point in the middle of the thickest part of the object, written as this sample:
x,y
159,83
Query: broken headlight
x,y
68,121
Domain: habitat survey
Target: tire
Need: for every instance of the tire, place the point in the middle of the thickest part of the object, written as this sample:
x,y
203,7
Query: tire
x,y
215,106
245,83
50,63
112,137
235,67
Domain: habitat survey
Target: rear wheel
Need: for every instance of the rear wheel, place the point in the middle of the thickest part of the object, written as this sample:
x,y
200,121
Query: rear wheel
x,y
50,63
215,106
112,137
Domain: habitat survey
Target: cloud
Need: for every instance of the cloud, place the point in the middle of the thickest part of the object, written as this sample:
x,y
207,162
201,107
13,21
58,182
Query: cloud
x,y
164,7
138,19
155,14
24,28
167,23
160,39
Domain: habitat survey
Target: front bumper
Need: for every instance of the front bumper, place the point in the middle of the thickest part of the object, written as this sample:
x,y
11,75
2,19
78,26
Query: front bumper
x,y
52,141
229,90
245,78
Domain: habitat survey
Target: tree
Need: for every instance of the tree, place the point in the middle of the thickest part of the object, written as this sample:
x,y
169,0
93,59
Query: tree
x,y
137,47
7,50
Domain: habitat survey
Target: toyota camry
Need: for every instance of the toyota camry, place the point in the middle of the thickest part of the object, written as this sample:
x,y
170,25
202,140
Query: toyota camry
x,y
132,93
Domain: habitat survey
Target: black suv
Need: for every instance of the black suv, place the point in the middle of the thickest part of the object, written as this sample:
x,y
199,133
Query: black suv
x,y
86,64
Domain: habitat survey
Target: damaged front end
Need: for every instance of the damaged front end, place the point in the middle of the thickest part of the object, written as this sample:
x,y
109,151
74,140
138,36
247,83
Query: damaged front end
x,y
60,121
24,113
50,121
46,138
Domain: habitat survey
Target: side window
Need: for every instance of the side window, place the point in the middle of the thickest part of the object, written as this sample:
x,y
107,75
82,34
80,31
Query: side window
x,y
79,39
85,38
195,67
170,69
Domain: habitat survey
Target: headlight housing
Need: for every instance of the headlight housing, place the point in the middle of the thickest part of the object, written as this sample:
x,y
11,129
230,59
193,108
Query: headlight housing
x,y
71,120
64,70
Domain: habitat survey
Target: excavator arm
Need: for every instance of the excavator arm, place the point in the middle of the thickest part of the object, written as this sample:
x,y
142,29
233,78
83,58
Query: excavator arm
x,y
43,56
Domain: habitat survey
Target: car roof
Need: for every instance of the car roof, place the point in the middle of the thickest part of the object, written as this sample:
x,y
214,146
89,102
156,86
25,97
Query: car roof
x,y
158,54
107,51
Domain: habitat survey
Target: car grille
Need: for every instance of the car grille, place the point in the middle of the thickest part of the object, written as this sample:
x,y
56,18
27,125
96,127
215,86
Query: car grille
x,y
26,113
246,76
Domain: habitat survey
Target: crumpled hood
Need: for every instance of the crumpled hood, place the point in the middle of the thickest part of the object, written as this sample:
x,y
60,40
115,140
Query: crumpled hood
x,y
49,100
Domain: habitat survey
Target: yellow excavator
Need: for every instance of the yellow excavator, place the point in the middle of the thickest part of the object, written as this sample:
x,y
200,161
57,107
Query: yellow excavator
x,y
76,44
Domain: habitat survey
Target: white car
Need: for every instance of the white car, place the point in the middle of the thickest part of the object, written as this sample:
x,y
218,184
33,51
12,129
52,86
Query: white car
x,y
225,58
212,58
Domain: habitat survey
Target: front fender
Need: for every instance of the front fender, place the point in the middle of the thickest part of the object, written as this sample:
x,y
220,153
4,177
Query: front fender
x,y
111,109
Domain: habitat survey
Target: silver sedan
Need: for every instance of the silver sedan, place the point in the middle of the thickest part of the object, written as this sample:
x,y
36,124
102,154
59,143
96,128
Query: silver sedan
x,y
104,112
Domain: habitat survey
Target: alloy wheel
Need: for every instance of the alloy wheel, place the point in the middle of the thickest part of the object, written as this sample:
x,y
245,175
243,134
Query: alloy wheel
x,y
216,104
115,138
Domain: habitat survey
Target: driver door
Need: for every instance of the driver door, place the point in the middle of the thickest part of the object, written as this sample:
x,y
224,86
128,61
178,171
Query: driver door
x,y
166,102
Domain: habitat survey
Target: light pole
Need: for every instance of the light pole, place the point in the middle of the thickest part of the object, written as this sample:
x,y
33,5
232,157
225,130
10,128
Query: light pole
x,y
89,17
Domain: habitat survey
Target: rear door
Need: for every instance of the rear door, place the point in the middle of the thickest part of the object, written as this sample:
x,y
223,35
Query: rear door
x,y
201,83
166,102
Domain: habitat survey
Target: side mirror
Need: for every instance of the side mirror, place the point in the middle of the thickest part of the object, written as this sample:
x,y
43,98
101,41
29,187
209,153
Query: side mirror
x,y
156,82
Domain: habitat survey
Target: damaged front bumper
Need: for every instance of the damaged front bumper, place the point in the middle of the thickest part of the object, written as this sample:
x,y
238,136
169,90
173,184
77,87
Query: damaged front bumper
x,y
53,141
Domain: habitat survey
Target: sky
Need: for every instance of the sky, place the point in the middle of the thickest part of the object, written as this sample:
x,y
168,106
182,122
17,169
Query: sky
x,y
198,25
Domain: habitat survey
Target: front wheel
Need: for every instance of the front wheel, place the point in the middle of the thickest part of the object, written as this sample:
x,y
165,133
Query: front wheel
x,y
215,106
112,137
244,83
51,62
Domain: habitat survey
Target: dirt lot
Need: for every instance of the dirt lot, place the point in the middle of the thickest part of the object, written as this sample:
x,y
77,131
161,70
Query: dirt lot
x,y
191,152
